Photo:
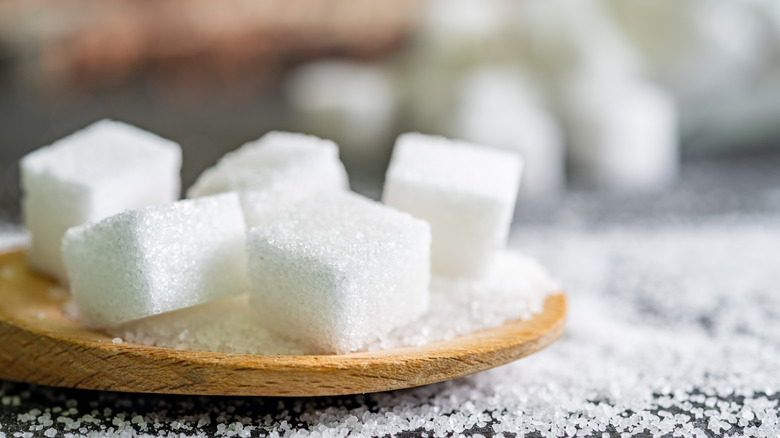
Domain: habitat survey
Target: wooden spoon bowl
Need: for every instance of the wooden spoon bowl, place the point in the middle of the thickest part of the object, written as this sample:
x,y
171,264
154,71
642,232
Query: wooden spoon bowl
x,y
39,344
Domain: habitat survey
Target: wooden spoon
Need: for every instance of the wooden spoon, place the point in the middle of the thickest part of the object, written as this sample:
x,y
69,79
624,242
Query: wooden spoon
x,y
38,344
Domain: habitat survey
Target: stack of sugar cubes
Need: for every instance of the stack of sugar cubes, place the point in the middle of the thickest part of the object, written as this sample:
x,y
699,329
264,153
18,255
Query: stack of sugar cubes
x,y
274,220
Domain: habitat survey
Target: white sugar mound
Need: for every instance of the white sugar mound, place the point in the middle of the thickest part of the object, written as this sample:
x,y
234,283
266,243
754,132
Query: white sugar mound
x,y
466,192
224,326
90,175
156,259
515,288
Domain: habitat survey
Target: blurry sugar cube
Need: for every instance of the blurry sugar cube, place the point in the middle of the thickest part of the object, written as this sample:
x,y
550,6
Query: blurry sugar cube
x,y
555,36
338,271
94,173
623,133
466,192
702,50
276,160
351,102
156,259
498,108
531,132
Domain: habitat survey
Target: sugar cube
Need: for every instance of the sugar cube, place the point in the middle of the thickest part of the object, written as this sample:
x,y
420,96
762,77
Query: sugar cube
x,y
276,160
466,192
338,271
623,133
94,173
156,259
263,206
351,102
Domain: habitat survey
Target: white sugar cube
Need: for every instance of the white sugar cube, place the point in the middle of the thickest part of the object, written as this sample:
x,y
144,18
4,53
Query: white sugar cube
x,y
276,160
530,131
338,271
156,259
466,192
94,173
260,207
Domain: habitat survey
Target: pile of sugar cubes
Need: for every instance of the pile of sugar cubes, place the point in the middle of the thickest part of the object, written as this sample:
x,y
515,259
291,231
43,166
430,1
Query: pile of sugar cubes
x,y
272,228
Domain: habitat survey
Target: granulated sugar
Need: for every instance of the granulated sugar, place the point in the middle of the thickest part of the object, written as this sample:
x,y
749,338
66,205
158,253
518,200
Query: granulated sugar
x,y
225,326
674,330
515,289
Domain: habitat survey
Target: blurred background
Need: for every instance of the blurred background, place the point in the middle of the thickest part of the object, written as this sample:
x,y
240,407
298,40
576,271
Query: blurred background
x,y
649,104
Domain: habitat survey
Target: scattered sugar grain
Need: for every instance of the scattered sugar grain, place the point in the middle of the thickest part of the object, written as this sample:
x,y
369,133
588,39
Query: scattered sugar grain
x,y
635,345
116,341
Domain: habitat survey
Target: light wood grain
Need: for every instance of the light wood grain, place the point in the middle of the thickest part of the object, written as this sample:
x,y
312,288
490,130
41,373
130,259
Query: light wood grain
x,y
38,344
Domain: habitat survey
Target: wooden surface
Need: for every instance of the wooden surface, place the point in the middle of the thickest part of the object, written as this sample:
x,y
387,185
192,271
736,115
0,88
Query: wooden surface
x,y
38,344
